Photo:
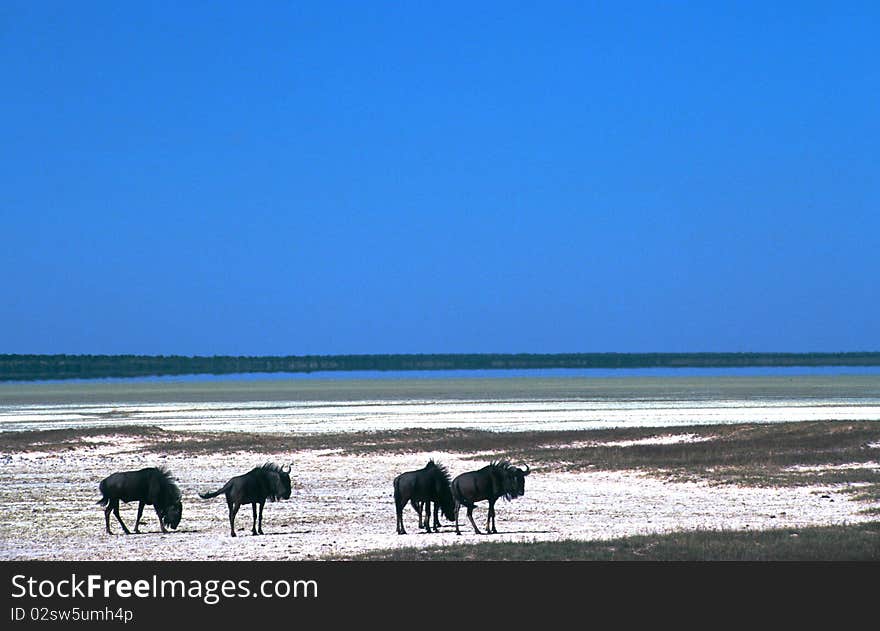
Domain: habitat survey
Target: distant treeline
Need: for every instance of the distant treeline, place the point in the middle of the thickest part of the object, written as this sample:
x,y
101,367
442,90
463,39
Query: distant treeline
x,y
40,367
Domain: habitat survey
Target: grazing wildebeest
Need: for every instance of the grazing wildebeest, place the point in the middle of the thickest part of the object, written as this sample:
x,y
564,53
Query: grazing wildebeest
x,y
153,486
269,482
497,479
420,488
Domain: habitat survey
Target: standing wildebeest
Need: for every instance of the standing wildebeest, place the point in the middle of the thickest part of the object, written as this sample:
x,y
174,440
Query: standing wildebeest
x,y
269,482
147,486
497,479
420,488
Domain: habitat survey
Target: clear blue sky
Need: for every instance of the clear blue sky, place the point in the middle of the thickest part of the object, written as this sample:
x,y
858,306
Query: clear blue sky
x,y
368,177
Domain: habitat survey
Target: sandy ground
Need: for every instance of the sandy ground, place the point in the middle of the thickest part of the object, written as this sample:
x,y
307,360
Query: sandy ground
x,y
343,505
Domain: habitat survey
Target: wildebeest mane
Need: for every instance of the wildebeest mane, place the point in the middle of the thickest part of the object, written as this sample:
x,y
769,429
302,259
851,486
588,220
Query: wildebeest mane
x,y
441,468
273,487
271,466
168,491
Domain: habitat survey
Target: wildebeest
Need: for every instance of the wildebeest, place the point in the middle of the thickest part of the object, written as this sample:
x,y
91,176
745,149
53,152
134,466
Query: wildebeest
x,y
152,485
420,488
497,479
269,482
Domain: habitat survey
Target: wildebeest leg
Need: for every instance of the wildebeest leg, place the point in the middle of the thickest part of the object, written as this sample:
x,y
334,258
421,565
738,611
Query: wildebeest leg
x,y
137,522
470,514
436,519
455,508
233,511
254,526
107,512
399,505
418,506
427,524
491,519
161,523
260,525
116,512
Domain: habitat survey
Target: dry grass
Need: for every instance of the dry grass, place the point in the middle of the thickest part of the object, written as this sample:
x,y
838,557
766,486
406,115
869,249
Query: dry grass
x,y
826,543
73,438
745,454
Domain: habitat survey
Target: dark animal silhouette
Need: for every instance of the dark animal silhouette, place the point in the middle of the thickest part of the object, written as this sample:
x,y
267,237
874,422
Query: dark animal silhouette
x,y
155,486
418,507
420,488
497,479
269,482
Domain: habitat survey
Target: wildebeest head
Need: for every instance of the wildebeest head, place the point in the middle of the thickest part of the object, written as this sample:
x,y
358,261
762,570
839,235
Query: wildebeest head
x,y
169,499
516,481
284,481
171,514
279,481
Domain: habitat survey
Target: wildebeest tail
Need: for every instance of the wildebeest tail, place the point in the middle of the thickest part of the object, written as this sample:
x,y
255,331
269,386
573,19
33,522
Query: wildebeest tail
x,y
207,496
397,498
104,499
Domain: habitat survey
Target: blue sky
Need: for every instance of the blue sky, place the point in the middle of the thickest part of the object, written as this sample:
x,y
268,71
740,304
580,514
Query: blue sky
x,y
350,177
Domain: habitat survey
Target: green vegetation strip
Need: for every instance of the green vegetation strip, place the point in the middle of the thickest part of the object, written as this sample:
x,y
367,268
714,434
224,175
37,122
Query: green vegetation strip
x,y
41,367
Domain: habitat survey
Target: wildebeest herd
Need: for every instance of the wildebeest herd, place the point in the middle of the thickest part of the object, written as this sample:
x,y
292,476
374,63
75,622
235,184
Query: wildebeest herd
x,y
431,484
422,488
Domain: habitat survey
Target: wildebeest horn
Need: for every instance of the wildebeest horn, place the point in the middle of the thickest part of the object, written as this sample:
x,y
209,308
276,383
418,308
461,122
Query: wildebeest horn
x,y
288,468
528,469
